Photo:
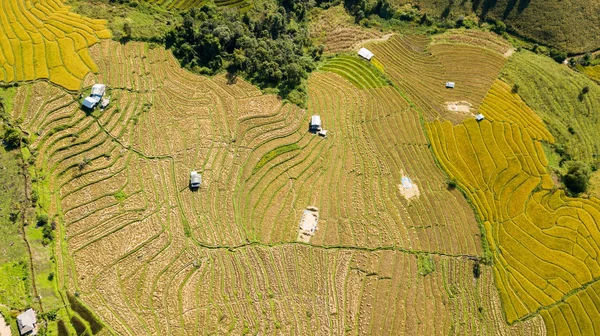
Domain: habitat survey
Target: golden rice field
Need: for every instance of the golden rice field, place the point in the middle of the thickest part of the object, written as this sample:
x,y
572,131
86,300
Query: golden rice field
x,y
149,256
544,244
41,39
591,71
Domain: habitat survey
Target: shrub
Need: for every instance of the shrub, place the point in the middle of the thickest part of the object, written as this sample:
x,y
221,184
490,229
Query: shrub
x,y
51,315
476,270
499,27
586,60
42,219
452,184
425,264
12,137
34,197
576,180
558,55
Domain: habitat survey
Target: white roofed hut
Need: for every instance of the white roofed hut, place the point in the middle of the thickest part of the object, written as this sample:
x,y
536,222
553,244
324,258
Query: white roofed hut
x,y
365,53
315,123
90,102
195,180
450,85
27,322
98,90
479,117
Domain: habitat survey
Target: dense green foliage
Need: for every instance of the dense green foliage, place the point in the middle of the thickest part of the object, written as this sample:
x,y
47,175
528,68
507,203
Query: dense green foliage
x,y
577,178
270,47
571,26
568,102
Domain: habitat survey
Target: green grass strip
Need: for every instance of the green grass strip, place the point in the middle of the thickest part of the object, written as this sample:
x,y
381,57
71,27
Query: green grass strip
x,y
273,154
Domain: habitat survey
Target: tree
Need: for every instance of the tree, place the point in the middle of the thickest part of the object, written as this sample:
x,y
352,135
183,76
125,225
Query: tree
x,y
42,219
558,55
577,178
515,88
127,31
12,137
499,27
586,59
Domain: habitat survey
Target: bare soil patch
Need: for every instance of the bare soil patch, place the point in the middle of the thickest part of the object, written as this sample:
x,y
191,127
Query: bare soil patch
x,y
408,188
4,328
459,106
308,224
509,52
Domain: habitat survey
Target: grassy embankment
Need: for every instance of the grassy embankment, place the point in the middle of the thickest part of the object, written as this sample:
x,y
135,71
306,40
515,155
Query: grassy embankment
x,y
557,95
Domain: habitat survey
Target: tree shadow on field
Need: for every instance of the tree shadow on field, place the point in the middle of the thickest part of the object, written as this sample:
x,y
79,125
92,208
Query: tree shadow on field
x,y
231,78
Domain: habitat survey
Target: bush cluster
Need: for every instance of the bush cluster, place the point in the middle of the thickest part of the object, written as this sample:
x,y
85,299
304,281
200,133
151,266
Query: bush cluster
x,y
271,48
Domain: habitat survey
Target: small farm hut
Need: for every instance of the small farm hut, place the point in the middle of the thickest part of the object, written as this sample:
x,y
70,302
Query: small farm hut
x,y
365,53
27,322
95,97
195,179
315,123
450,85
98,90
479,117
90,102
323,133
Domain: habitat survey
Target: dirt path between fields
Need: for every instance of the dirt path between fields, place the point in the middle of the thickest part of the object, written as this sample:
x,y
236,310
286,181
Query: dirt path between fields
x,y
23,223
4,328
384,38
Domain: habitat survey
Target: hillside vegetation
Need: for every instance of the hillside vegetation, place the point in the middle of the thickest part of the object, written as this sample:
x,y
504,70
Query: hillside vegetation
x,y
567,25
567,101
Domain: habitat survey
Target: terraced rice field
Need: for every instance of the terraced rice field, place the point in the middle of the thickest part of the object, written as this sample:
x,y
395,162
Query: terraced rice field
x,y
149,256
42,40
420,68
335,29
186,4
358,71
544,244
591,71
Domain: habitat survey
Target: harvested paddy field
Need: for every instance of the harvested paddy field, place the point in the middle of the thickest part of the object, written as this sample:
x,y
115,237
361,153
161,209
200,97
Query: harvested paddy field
x,y
150,256
337,32
421,66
